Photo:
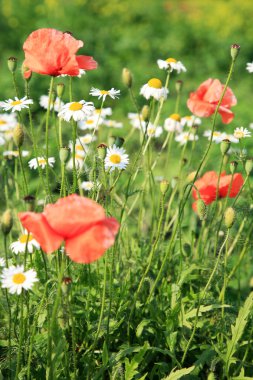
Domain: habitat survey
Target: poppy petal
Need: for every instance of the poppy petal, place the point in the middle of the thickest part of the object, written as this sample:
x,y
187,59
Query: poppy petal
x,y
235,188
226,115
37,224
86,63
72,215
91,245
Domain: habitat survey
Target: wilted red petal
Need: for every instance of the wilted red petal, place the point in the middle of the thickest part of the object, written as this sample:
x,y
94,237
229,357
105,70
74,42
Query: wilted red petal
x,y
72,215
90,245
37,224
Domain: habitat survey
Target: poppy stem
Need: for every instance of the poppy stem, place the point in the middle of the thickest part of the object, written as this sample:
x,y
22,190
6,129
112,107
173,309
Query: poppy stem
x,y
47,128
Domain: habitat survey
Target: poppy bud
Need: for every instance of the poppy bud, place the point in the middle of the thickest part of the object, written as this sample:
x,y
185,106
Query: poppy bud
x,y
224,146
102,151
248,166
111,140
235,49
12,64
26,72
201,209
229,217
64,154
145,113
60,89
179,86
119,141
127,78
164,185
6,222
233,166
18,135
66,281
30,201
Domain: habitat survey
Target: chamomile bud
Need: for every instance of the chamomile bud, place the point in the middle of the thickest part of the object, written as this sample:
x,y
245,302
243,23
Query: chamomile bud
x,y
127,77
229,217
6,222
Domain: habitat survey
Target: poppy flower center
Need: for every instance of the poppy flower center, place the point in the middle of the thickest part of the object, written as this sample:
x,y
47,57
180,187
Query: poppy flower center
x,y
25,238
115,158
2,122
18,278
15,102
171,60
76,106
104,92
155,83
41,161
175,116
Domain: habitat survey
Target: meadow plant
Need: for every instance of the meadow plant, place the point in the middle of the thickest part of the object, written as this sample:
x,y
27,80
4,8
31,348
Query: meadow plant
x,y
126,243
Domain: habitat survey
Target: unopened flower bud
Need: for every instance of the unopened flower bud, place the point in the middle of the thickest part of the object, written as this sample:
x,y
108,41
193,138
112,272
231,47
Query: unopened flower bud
x,y
190,177
201,209
179,86
174,182
6,222
229,217
127,77
66,281
18,135
111,140
233,166
60,89
164,185
235,49
224,146
64,154
30,201
145,113
225,159
119,141
101,149
26,72
12,64
248,166
211,376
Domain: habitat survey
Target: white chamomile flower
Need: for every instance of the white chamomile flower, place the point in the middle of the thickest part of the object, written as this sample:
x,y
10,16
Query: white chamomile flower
x,y
173,123
2,262
56,105
190,121
87,139
41,161
113,124
16,278
136,120
218,137
240,133
79,161
24,240
107,111
154,89
183,137
92,123
114,94
232,138
116,158
2,140
76,110
16,105
7,121
89,185
171,63
14,153
249,67
153,131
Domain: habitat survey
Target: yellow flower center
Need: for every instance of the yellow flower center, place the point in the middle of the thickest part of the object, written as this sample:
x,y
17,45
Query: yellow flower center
x,y
76,106
79,147
104,92
115,158
216,134
16,102
25,238
18,278
2,122
171,60
89,121
151,131
155,83
86,140
239,134
42,161
188,117
175,116
77,156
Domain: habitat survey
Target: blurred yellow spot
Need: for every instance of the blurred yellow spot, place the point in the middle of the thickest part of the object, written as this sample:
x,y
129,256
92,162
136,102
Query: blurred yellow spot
x,y
75,106
25,238
104,92
42,161
89,121
171,60
16,102
18,278
2,122
115,158
175,116
155,83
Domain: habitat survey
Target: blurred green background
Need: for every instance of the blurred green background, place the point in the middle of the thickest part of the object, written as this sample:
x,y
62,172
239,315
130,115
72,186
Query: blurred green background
x,y
134,34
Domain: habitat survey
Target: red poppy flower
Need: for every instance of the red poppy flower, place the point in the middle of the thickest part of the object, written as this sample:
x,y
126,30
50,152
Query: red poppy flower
x,y
204,101
51,52
207,186
78,221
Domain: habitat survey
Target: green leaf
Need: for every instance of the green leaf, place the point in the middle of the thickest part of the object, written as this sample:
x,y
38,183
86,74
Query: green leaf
x,y
105,355
174,375
141,326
